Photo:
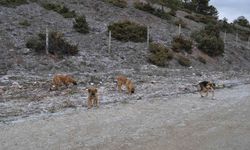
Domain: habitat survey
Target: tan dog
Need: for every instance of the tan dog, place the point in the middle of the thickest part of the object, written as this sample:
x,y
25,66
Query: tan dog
x,y
206,87
93,98
122,80
62,80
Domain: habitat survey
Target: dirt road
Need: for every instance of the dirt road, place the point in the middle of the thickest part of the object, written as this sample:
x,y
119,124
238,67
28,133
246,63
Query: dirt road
x,y
186,122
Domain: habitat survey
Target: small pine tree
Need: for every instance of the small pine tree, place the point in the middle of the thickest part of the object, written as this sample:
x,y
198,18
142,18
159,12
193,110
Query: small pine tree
x,y
81,25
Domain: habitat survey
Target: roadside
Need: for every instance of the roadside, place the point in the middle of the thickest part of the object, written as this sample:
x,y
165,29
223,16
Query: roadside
x,y
183,122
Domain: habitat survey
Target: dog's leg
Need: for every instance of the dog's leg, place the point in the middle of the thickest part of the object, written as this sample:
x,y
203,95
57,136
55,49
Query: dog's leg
x,y
206,92
201,93
90,103
212,91
96,102
119,87
128,90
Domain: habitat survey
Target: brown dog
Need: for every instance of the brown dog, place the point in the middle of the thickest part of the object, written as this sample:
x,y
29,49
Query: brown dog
x,y
93,98
122,80
206,87
62,80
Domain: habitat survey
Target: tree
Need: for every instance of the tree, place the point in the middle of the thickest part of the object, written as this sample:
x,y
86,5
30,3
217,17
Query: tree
x,y
212,11
242,21
201,6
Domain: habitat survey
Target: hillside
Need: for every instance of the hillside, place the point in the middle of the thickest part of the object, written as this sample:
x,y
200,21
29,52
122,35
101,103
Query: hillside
x,y
23,67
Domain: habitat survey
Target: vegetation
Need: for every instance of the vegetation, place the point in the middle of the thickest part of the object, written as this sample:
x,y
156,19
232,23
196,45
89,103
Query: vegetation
x,y
57,45
209,40
179,43
242,21
24,23
234,28
202,18
81,25
118,3
180,22
128,31
184,61
12,3
150,9
201,7
159,54
61,9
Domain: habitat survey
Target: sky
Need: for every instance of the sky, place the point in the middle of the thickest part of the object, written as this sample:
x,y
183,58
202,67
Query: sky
x,y
232,9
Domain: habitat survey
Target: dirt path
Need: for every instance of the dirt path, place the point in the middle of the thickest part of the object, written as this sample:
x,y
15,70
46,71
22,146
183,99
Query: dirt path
x,y
186,122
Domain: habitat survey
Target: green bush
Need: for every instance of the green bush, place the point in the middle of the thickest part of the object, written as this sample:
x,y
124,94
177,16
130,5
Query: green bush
x,y
24,23
81,25
148,8
179,43
209,40
61,9
57,45
159,54
128,31
184,61
12,3
118,3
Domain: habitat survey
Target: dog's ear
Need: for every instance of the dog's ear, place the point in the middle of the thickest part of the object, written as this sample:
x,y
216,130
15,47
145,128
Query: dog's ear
x,y
95,90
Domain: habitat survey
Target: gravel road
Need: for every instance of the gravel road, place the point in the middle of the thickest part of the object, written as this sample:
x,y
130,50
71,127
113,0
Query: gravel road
x,y
177,123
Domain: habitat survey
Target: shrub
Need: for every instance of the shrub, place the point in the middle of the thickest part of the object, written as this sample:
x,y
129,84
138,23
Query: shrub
x,y
80,25
211,45
180,22
159,54
202,59
209,40
13,3
61,9
128,31
57,45
184,61
24,23
202,18
118,3
179,43
148,8
206,19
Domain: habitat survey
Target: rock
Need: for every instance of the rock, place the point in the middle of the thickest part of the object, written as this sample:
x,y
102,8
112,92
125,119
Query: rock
x,y
16,85
26,51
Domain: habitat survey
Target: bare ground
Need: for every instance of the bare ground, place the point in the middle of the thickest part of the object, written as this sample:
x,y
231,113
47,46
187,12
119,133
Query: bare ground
x,y
180,122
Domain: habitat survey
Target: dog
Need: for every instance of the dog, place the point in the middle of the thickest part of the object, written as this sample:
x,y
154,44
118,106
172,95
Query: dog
x,y
122,80
206,87
62,80
93,97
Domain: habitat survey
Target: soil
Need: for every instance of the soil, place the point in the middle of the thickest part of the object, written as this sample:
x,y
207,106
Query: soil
x,y
176,123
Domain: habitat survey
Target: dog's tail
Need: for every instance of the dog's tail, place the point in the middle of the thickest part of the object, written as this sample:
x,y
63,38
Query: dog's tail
x,y
197,85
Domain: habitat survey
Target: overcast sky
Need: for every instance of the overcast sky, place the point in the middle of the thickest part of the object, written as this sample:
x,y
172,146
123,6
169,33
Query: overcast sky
x,y
232,9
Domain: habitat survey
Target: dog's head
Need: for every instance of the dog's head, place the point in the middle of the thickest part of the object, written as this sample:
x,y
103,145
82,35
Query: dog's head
x,y
92,91
213,85
71,79
74,82
133,90
52,87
